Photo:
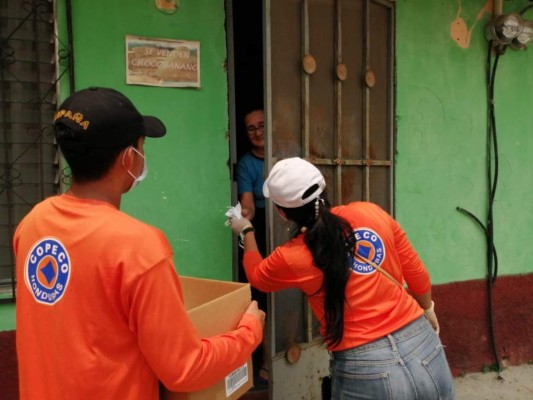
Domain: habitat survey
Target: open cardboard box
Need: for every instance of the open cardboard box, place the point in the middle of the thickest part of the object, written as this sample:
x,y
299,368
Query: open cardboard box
x,y
216,307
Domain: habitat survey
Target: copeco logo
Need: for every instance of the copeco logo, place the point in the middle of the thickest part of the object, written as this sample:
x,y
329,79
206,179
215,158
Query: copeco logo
x,y
369,246
47,270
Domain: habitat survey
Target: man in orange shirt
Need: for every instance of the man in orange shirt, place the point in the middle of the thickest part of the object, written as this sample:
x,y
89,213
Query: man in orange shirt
x,y
100,312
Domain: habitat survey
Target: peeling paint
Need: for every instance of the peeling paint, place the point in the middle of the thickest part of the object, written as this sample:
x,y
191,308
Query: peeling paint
x,y
459,31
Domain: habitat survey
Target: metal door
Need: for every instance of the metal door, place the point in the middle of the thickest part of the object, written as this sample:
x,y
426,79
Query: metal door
x,y
328,99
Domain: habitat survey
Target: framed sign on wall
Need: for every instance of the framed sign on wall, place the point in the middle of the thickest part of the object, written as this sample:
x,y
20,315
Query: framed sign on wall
x,y
162,62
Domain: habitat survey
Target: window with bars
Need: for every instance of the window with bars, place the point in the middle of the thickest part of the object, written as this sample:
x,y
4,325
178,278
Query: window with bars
x,y
28,155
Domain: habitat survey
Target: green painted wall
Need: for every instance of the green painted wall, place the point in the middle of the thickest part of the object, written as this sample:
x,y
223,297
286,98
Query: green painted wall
x,y
188,188
441,139
188,185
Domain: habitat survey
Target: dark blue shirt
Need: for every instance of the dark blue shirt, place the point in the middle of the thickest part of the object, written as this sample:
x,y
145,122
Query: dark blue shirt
x,y
250,178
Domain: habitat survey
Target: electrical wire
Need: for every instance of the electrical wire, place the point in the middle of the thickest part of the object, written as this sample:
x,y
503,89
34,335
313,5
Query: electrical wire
x,y
492,181
523,11
492,175
492,146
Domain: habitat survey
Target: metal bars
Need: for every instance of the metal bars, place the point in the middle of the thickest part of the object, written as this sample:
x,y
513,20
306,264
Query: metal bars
x,y
29,163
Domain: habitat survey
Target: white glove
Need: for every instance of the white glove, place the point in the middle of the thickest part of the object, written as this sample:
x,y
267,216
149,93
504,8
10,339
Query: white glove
x,y
238,225
234,213
236,220
432,317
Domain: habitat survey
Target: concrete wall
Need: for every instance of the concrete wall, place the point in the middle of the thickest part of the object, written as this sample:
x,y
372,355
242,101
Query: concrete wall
x,y
441,164
188,186
442,135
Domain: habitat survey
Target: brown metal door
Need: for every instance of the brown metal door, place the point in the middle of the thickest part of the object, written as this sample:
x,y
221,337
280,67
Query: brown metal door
x,y
329,99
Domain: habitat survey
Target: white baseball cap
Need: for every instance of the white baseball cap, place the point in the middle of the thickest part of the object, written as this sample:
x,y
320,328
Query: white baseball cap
x,y
289,179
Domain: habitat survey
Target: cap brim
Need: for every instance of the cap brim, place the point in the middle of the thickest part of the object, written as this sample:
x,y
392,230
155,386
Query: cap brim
x,y
266,192
153,127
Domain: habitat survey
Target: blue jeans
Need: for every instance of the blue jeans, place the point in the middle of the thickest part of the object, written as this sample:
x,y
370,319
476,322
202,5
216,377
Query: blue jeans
x,y
409,364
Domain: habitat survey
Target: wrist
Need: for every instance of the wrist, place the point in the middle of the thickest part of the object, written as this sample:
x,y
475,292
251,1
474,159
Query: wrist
x,y
431,308
246,230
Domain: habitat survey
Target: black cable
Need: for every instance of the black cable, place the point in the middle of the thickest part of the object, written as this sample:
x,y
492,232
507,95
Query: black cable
x,y
526,8
492,182
492,145
476,219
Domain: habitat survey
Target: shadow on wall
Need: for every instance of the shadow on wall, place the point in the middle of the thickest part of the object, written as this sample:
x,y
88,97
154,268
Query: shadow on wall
x,y
8,377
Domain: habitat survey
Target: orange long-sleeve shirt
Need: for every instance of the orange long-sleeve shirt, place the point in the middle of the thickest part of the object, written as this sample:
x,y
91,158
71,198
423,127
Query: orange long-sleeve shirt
x,y
375,306
100,311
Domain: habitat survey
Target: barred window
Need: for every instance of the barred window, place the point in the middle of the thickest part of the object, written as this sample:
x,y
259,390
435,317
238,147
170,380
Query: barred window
x,y
28,156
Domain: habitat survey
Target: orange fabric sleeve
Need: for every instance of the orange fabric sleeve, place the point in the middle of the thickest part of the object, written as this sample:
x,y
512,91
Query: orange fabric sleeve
x,y
180,358
414,271
288,266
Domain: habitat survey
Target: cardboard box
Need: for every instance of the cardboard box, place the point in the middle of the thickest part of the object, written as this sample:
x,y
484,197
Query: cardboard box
x,y
216,307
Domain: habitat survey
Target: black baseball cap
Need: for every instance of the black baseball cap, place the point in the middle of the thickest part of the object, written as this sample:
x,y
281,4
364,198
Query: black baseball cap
x,y
103,117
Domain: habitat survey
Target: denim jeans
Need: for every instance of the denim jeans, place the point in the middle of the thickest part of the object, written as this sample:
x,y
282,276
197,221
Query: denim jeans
x,y
409,364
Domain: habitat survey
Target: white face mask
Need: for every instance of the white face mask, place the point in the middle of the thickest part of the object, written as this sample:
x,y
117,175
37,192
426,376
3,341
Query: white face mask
x,y
144,172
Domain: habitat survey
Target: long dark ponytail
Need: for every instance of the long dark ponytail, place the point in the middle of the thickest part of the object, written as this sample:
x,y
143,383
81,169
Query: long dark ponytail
x,y
330,239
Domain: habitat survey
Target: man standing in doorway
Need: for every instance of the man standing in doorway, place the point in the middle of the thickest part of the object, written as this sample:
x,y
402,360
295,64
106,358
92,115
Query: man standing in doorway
x,y
250,178
250,174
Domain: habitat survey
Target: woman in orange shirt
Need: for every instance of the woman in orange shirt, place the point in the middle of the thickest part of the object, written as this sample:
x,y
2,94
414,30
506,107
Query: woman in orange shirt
x,y
352,262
